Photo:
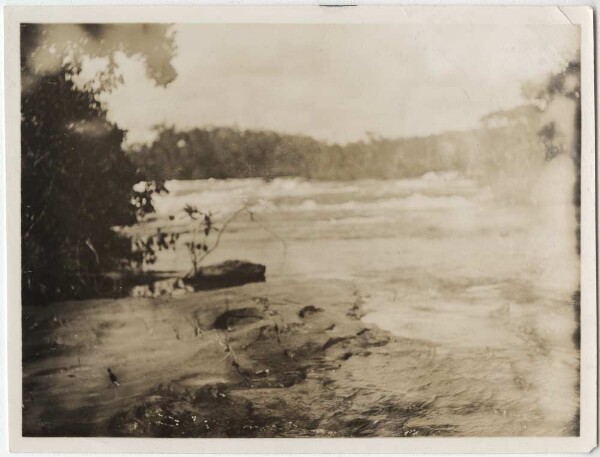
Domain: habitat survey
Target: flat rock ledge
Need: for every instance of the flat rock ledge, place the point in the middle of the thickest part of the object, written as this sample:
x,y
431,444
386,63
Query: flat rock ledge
x,y
230,273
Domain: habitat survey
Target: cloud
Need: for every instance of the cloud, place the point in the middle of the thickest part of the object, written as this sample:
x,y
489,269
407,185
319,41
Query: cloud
x,y
335,82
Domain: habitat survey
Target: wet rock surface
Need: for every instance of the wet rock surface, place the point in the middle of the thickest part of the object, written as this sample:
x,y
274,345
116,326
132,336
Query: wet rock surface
x,y
245,362
229,319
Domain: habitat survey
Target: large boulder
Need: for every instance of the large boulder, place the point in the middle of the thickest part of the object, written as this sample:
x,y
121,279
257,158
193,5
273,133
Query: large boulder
x,y
226,274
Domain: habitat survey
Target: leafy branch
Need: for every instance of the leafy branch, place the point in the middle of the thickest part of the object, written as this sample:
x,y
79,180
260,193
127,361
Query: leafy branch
x,y
199,251
203,226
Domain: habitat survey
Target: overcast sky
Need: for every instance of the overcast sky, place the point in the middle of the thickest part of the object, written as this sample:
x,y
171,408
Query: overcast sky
x,y
336,82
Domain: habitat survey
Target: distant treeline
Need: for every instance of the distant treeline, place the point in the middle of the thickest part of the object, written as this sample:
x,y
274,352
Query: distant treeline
x,y
507,142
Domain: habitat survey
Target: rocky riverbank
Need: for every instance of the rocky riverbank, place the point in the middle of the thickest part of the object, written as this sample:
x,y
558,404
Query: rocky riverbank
x,y
259,360
275,359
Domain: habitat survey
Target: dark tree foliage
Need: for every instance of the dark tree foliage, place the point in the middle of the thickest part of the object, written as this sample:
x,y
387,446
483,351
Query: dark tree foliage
x,y
76,179
46,47
223,152
76,185
566,84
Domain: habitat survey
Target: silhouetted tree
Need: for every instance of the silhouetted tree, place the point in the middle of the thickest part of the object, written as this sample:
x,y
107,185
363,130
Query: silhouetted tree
x,y
77,182
76,185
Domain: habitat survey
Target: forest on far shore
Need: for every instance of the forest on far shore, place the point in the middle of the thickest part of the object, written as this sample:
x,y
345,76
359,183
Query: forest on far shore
x,y
507,142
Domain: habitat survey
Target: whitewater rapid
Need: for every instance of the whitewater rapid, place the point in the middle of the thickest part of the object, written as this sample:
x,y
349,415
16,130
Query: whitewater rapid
x,y
489,281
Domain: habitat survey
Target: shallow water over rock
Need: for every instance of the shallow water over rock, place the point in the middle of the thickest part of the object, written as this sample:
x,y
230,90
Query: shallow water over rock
x,y
390,308
490,282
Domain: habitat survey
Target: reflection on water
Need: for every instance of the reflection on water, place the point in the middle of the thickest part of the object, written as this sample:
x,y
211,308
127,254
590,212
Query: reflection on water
x,y
439,258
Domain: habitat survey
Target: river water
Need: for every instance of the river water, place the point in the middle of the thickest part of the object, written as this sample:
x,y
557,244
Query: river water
x,y
439,258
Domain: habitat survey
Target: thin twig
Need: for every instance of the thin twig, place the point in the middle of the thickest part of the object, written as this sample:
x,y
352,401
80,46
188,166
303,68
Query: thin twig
x,y
270,232
216,244
222,230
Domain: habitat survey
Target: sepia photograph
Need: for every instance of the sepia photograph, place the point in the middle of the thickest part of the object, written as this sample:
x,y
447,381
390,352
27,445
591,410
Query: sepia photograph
x,y
303,229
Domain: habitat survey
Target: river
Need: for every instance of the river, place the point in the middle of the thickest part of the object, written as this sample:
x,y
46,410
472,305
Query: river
x,y
489,280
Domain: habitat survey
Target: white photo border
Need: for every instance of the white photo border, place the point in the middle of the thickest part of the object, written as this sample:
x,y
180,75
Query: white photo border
x,y
363,14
